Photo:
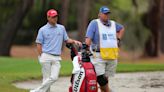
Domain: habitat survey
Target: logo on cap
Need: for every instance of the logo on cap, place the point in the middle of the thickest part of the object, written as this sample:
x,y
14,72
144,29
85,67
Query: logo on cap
x,y
104,9
52,13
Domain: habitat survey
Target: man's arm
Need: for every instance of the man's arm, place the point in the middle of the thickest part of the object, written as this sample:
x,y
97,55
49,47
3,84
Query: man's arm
x,y
120,33
90,32
119,36
39,48
120,30
73,41
39,41
68,40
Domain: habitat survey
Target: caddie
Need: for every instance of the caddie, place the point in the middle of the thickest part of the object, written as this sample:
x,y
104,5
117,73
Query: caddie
x,y
103,36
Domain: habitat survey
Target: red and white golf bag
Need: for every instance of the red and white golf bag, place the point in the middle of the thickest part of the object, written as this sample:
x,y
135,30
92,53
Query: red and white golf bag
x,y
83,75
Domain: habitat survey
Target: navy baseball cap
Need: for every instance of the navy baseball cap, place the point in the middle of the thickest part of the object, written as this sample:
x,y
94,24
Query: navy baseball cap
x,y
104,9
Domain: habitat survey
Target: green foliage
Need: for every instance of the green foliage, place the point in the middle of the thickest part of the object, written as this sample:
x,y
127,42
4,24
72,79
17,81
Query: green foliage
x,y
130,16
122,5
135,33
124,12
72,16
7,8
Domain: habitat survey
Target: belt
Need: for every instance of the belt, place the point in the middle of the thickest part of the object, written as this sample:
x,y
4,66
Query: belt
x,y
54,55
95,50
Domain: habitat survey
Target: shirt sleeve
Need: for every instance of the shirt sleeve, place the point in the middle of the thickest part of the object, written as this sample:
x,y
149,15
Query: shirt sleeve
x,y
118,27
65,34
91,29
39,38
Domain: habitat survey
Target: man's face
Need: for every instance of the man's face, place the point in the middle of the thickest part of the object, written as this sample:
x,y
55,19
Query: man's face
x,y
53,19
104,17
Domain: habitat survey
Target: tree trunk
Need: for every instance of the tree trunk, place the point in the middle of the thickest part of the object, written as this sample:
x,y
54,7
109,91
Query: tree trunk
x,y
83,15
44,3
162,27
153,19
162,36
64,12
12,26
135,4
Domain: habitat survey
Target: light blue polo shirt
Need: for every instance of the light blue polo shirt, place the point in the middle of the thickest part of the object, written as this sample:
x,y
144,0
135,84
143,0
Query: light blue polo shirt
x,y
51,38
93,32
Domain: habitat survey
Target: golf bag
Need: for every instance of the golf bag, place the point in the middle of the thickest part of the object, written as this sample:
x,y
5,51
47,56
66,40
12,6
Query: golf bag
x,y
83,75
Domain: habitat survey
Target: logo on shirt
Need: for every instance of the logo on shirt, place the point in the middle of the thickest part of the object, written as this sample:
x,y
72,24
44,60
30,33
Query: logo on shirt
x,y
48,36
107,36
104,36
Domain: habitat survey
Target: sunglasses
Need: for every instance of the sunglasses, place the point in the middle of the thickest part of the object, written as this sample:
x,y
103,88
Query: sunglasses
x,y
107,13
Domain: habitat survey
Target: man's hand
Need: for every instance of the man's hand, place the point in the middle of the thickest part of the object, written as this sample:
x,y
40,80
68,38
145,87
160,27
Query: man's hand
x,y
78,43
119,42
39,48
88,41
39,58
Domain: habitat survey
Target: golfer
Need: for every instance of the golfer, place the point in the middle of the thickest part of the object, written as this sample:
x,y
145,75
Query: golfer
x,y
49,43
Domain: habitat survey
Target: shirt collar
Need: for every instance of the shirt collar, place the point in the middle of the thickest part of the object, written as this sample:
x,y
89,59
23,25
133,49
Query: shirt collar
x,y
106,23
50,26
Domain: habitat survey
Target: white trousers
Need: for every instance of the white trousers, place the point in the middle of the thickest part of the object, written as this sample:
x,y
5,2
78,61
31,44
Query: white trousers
x,y
50,70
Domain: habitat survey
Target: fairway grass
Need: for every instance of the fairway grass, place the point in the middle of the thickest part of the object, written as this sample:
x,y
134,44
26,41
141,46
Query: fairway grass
x,y
16,69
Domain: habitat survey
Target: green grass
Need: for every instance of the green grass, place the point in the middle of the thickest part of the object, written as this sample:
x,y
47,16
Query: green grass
x,y
140,67
14,69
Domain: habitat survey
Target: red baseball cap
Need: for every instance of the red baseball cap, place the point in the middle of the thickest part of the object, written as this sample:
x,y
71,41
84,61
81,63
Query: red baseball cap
x,y
52,13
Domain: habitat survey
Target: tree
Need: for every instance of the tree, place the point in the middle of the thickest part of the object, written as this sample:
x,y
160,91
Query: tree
x,y
64,11
152,46
83,16
162,27
12,25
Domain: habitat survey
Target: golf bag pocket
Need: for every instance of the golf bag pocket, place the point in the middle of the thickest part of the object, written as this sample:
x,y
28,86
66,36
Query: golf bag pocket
x,y
85,80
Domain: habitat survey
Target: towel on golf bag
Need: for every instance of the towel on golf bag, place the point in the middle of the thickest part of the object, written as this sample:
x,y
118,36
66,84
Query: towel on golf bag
x,y
76,65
